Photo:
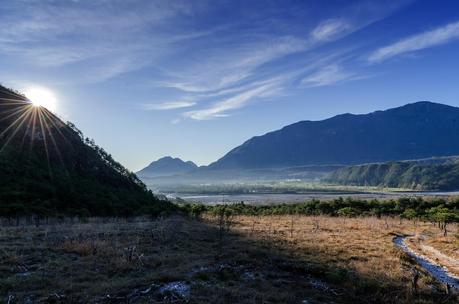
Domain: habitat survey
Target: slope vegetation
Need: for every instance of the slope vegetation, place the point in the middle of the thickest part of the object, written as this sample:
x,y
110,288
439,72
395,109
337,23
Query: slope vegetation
x,y
47,167
408,175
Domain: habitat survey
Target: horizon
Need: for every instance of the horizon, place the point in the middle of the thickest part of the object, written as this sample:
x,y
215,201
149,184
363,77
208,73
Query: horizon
x,y
255,135
194,80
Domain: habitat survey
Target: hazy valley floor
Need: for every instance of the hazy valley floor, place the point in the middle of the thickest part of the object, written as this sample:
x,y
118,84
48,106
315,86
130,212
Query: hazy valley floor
x,y
243,259
277,198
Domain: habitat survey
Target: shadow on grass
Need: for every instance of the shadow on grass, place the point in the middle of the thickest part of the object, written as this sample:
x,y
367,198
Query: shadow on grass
x,y
183,260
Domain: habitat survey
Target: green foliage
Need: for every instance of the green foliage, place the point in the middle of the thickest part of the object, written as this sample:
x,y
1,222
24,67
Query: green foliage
x,y
347,211
441,214
410,214
411,208
407,175
194,210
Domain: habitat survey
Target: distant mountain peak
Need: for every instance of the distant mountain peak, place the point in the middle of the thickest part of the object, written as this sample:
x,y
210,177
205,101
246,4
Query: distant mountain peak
x,y
423,104
167,166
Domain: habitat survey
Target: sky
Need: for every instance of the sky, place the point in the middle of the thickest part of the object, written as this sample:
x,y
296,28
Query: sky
x,y
194,79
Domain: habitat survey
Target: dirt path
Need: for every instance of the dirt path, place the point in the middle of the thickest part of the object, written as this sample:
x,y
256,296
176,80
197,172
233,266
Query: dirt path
x,y
448,262
439,265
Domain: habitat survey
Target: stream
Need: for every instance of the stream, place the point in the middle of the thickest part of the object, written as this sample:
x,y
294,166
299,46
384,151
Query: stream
x,y
438,272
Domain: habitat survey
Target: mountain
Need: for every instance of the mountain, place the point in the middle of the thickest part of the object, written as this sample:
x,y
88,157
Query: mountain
x,y
418,130
47,167
438,174
167,166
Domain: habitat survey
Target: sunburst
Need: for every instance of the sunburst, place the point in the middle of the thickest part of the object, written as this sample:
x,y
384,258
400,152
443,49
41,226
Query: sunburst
x,y
32,120
42,97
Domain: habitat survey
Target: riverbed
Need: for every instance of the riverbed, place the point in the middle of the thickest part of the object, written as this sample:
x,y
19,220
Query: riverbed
x,y
438,272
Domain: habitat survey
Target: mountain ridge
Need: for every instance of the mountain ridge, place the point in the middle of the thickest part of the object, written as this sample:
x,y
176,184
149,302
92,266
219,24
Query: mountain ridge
x,y
353,136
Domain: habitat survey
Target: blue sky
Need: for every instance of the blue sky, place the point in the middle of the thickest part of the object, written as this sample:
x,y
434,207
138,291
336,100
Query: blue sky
x,y
194,79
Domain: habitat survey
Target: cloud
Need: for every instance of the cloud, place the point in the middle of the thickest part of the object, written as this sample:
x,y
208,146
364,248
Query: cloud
x,y
219,68
328,75
417,42
183,86
239,96
223,63
330,29
101,37
169,105
234,58
220,109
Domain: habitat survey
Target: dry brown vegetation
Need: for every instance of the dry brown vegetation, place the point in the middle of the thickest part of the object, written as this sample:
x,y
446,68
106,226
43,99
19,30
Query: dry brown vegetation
x,y
438,249
448,245
362,247
242,259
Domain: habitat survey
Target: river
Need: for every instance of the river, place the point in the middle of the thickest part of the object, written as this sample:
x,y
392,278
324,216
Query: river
x,y
438,272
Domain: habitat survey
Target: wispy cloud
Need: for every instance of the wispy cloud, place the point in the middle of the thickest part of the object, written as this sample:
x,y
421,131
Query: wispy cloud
x,y
328,75
104,37
235,69
183,86
319,67
220,109
330,29
169,105
417,42
223,67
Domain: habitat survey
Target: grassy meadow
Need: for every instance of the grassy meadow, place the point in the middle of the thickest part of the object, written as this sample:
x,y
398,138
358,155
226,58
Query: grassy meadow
x,y
219,259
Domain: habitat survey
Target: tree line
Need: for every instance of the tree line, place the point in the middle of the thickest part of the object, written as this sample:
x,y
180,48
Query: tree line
x,y
438,210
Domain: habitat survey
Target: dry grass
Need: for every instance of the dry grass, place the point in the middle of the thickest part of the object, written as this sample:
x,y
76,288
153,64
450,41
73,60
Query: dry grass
x,y
269,259
438,248
448,245
361,248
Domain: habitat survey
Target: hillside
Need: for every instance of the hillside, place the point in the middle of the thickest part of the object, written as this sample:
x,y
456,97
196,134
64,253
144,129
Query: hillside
x,y
418,130
47,167
167,166
436,175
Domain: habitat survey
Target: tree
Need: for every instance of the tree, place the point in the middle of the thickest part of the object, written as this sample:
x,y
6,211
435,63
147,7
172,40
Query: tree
x,y
347,211
410,214
443,216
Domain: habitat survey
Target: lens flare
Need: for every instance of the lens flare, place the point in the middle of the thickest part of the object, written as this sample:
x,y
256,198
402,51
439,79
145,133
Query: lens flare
x,y
42,97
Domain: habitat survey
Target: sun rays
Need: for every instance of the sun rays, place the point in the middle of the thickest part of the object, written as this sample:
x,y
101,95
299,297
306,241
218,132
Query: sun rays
x,y
42,97
30,124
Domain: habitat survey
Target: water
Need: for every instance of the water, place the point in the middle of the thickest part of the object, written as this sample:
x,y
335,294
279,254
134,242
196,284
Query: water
x,y
438,272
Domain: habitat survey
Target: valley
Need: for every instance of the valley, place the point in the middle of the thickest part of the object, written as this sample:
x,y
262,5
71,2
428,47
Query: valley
x,y
229,152
78,227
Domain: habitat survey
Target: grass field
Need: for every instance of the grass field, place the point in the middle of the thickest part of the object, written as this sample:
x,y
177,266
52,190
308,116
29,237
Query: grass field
x,y
241,259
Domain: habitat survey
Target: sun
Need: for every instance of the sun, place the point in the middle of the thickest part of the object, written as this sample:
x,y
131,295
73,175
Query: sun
x,y
42,97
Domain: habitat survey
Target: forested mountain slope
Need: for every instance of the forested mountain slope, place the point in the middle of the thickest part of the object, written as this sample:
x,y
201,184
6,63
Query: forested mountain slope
x,y
47,167
408,175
